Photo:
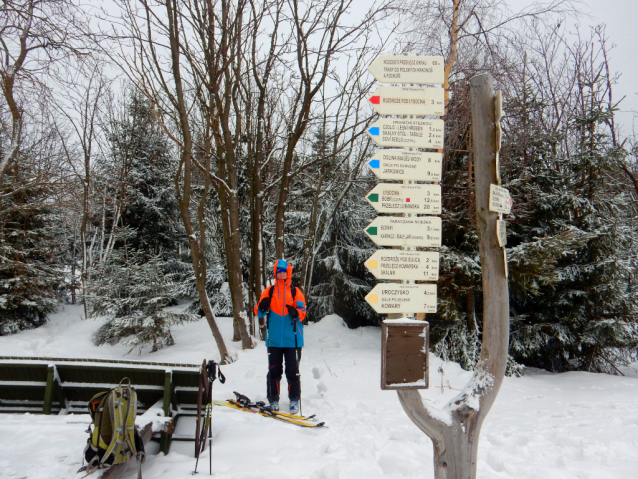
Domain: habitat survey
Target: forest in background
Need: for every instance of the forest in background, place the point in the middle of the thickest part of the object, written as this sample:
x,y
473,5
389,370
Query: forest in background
x,y
154,152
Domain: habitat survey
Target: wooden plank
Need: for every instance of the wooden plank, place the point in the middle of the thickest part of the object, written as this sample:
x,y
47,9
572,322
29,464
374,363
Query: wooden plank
x,y
39,359
27,379
112,374
165,441
23,372
48,392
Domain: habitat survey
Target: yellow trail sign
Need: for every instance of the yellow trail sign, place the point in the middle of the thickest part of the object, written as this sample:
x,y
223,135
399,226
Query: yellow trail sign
x,y
403,298
404,265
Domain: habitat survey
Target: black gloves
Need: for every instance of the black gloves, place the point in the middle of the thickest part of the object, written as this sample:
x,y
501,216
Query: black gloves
x,y
264,305
292,311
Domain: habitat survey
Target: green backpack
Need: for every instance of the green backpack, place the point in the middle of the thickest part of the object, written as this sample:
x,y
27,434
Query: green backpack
x,y
114,438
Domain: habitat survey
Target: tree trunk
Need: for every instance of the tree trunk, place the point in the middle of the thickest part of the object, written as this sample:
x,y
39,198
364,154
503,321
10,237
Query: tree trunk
x,y
200,272
235,279
256,285
455,437
183,188
282,204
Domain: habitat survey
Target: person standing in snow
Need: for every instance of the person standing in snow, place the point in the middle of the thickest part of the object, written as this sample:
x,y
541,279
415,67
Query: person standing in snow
x,y
284,307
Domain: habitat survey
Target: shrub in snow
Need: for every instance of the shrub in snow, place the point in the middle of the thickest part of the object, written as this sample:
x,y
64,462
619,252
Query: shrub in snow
x,y
216,287
133,293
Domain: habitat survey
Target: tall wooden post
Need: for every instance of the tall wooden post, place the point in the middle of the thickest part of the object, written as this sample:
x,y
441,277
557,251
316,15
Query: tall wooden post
x,y
455,430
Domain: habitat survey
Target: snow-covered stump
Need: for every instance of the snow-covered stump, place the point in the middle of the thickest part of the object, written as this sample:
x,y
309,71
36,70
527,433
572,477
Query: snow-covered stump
x,y
455,429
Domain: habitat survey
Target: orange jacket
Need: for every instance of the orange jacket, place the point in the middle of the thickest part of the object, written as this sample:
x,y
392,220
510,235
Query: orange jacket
x,y
282,331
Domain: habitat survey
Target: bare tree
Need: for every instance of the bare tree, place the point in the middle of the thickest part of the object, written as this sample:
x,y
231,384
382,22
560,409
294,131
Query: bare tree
x,y
34,35
81,103
320,36
194,98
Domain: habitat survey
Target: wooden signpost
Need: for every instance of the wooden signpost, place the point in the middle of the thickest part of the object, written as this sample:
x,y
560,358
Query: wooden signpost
x,y
455,432
393,198
406,165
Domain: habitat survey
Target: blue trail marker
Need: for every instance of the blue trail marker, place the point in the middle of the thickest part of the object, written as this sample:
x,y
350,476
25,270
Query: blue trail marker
x,y
406,165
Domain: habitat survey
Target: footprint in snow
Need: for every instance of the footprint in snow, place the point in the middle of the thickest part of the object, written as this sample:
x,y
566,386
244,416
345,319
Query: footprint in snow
x,y
316,373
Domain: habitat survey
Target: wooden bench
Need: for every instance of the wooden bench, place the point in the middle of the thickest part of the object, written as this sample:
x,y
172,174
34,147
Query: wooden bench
x,y
65,385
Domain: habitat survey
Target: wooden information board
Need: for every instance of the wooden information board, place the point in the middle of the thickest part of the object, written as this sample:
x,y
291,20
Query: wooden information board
x,y
404,354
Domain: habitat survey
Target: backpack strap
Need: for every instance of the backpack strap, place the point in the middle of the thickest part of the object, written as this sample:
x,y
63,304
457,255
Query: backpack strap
x,y
293,291
114,411
122,407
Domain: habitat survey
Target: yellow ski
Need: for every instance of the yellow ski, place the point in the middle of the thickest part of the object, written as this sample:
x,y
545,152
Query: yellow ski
x,y
296,420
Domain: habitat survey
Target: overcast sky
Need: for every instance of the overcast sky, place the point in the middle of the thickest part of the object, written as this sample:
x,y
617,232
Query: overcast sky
x,y
621,18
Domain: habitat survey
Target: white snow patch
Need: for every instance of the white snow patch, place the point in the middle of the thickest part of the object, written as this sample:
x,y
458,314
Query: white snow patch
x,y
550,426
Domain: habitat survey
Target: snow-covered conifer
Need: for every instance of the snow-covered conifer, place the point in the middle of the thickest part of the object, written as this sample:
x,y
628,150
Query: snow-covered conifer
x,y
29,270
133,292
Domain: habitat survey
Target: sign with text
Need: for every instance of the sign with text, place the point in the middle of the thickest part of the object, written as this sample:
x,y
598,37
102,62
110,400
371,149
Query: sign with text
x,y
388,298
501,233
391,100
402,231
500,200
407,133
404,265
396,198
406,165
408,69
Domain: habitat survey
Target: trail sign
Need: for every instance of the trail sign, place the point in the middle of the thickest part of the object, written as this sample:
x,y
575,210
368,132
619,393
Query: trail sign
x,y
406,165
407,69
500,200
501,233
396,198
390,100
404,265
403,298
402,231
407,133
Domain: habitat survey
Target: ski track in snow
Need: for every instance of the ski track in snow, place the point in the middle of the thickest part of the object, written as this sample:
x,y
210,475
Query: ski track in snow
x,y
550,426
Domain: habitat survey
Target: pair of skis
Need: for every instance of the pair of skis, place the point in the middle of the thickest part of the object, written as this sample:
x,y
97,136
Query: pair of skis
x,y
243,403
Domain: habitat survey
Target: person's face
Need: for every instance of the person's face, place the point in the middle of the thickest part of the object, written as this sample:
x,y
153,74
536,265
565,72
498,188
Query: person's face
x,y
283,275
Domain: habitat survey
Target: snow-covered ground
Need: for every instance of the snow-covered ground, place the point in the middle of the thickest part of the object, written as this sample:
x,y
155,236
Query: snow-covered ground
x,y
562,426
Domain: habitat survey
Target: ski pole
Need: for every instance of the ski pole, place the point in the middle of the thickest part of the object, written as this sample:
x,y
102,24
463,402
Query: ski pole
x,y
212,370
298,369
